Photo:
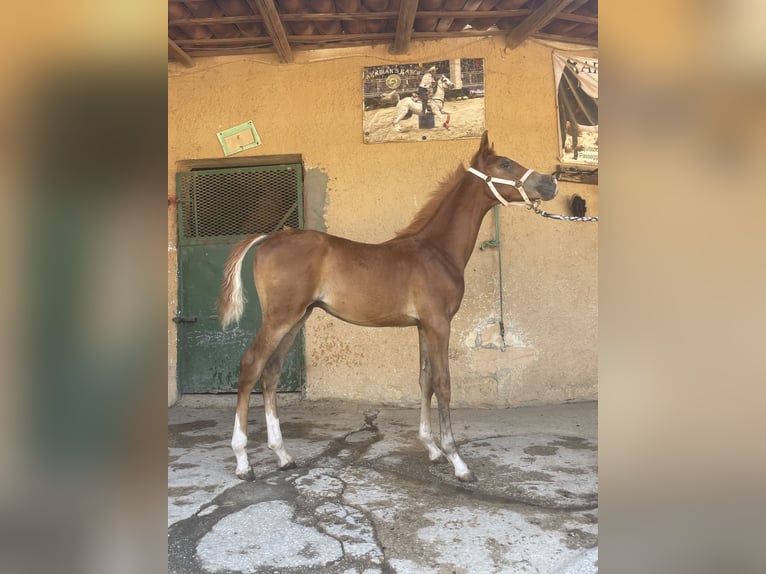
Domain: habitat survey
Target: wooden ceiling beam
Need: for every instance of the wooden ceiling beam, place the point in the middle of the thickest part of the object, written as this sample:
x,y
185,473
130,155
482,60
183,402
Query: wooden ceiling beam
x,y
179,54
585,41
468,5
365,16
295,38
404,26
274,27
567,17
228,46
577,5
533,23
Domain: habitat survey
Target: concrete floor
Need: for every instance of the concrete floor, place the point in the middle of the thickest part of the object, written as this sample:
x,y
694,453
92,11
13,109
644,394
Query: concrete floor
x,y
365,499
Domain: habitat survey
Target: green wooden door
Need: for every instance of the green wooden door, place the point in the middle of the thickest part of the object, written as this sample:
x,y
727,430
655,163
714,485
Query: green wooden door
x,y
217,208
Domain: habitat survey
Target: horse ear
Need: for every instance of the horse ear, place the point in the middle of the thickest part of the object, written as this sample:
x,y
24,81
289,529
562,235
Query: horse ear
x,y
485,150
485,147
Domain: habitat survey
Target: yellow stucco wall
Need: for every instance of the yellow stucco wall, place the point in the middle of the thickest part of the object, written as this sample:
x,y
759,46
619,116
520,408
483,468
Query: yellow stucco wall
x,y
313,107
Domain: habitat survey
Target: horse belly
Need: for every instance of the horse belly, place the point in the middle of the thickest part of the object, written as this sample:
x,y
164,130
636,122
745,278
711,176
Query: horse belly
x,y
368,299
370,317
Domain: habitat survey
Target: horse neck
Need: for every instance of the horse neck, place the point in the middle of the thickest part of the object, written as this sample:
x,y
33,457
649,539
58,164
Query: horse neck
x,y
455,225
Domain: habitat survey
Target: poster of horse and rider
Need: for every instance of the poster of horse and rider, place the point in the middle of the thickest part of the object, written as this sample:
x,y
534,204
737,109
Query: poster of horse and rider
x,y
425,101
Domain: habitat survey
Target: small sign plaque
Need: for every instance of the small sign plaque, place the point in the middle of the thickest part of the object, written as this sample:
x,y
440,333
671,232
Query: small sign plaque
x,y
239,138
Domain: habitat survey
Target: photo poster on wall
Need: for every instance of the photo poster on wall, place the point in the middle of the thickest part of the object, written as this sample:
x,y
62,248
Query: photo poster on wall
x,y
577,100
393,101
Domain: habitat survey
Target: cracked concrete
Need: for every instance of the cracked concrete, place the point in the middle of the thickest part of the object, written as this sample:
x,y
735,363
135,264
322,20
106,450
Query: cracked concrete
x,y
365,499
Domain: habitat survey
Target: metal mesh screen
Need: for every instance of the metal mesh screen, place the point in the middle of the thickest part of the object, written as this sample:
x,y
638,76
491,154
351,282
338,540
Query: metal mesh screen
x,y
239,201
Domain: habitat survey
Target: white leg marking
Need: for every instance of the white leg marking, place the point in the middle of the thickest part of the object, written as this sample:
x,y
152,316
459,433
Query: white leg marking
x,y
461,468
239,446
434,452
462,471
275,440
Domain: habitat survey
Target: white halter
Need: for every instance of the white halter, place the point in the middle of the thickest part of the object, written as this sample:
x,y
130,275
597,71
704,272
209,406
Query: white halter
x,y
518,185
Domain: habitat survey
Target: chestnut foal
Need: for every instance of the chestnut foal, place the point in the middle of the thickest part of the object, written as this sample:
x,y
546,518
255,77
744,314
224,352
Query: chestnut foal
x,y
414,279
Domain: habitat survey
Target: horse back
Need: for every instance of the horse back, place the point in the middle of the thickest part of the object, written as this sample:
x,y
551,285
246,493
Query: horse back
x,y
384,284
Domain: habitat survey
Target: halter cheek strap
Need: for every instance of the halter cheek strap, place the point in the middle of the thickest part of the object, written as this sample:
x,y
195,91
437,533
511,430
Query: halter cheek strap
x,y
491,181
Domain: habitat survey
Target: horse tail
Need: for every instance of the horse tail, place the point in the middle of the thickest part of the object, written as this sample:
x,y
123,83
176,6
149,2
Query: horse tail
x,y
231,302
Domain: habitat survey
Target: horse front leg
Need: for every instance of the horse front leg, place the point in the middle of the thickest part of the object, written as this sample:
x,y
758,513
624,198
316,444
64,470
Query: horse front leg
x,y
441,116
435,454
438,348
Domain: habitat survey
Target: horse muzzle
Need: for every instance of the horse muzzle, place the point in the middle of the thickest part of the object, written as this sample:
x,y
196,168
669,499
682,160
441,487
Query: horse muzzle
x,y
545,186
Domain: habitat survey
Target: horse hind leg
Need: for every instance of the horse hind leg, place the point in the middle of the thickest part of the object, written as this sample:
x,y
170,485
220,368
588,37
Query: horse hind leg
x,y
397,118
265,350
269,381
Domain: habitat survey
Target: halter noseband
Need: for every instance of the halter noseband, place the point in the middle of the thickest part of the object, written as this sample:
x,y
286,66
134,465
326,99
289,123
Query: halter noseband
x,y
490,181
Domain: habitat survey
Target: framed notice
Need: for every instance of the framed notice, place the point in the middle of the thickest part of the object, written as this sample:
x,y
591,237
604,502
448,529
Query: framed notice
x,y
427,101
577,100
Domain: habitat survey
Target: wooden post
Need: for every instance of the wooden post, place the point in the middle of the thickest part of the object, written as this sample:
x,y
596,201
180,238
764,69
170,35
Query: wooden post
x,y
404,24
180,55
274,27
535,21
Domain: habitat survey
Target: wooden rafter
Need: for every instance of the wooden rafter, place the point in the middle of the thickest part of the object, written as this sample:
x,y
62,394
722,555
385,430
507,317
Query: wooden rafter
x,y
365,16
256,26
469,5
274,27
576,5
533,23
263,43
326,39
585,41
404,26
179,54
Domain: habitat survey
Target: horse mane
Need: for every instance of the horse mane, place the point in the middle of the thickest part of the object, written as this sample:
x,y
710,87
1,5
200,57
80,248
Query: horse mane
x,y
423,216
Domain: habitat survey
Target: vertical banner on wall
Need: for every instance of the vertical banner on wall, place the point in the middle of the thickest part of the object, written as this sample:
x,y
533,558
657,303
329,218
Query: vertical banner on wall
x,y
394,97
577,100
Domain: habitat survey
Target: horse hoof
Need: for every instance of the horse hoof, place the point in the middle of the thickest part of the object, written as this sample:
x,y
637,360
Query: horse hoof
x,y
467,476
288,465
248,476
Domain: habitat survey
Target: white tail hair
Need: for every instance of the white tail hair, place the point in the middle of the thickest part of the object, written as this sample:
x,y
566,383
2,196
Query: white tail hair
x,y
231,302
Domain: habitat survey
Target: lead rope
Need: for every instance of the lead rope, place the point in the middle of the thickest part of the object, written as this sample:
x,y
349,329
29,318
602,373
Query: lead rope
x,y
500,276
536,208
496,243
533,205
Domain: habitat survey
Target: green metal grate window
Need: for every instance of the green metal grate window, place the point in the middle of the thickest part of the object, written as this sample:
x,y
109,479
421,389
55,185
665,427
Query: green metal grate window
x,y
239,201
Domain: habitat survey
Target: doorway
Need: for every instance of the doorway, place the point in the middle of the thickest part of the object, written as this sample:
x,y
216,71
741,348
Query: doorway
x,y
216,208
